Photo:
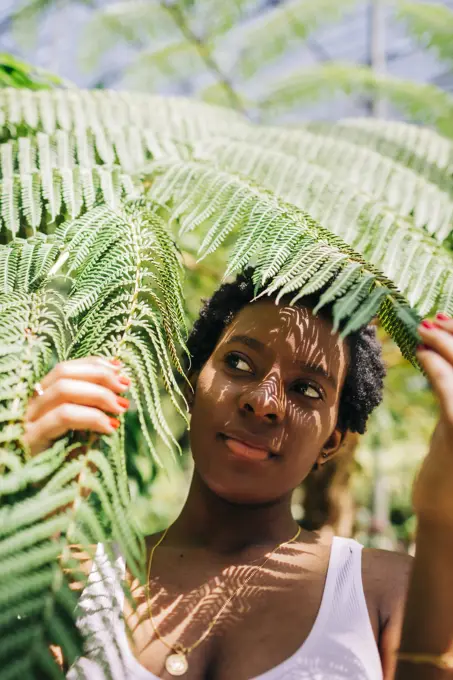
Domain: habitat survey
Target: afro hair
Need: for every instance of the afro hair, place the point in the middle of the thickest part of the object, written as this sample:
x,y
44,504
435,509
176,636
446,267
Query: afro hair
x,y
363,387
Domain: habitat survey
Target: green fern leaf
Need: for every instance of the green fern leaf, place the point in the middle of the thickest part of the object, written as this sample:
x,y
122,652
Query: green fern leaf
x,y
269,36
417,148
366,311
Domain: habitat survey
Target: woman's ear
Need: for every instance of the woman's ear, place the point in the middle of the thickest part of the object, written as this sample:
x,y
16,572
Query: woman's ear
x,y
332,446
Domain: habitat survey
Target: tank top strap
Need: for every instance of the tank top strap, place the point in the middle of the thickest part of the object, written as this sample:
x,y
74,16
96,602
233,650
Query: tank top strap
x,y
347,596
345,612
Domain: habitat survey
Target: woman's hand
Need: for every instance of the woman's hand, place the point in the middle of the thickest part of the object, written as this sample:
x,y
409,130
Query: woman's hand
x,y
432,494
78,395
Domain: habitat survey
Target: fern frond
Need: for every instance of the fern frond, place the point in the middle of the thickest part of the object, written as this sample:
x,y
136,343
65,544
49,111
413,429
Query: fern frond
x,y
137,21
173,60
8,267
217,17
254,217
269,35
17,73
431,24
32,331
38,334
385,180
127,300
374,229
107,111
28,546
56,176
417,148
132,21
362,210
424,103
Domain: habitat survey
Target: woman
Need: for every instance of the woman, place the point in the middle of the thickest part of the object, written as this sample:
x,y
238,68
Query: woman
x,y
237,590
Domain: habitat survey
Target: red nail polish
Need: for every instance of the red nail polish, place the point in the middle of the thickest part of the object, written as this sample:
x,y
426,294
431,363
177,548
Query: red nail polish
x,y
124,403
114,423
115,362
428,324
442,317
423,348
124,380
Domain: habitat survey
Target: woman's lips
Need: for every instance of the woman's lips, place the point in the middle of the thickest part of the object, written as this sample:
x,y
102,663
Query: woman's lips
x,y
246,451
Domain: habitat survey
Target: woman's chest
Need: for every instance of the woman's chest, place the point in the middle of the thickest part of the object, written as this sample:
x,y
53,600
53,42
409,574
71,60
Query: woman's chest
x,y
231,630
259,629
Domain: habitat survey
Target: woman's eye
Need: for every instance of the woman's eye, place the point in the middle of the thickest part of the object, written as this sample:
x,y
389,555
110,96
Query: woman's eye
x,y
302,387
236,361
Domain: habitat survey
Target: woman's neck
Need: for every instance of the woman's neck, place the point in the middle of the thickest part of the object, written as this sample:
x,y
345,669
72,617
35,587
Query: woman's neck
x,y
210,522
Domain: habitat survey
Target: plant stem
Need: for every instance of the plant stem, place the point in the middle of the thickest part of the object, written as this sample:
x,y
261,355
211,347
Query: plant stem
x,y
180,20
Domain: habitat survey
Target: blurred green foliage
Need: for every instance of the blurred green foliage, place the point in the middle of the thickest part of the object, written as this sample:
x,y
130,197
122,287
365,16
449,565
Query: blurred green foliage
x,y
16,73
238,53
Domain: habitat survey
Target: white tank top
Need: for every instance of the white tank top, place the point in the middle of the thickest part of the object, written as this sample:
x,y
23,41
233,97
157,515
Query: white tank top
x,y
340,646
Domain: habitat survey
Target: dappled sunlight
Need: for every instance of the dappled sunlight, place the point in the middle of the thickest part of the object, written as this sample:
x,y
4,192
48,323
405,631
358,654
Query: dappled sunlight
x,y
263,414
273,381
183,614
184,603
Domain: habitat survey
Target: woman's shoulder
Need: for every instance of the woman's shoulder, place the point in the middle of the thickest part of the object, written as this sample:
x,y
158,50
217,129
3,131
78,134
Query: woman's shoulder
x,y
385,575
379,564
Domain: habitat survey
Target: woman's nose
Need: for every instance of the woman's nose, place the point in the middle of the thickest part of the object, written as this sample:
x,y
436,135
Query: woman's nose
x,y
266,401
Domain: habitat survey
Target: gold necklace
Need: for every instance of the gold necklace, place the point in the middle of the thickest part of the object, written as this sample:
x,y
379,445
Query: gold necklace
x,y
176,663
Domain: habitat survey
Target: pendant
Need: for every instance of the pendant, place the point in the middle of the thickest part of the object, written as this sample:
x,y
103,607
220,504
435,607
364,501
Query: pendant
x,y
176,664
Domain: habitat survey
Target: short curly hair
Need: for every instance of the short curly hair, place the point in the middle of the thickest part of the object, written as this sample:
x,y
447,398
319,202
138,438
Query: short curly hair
x,y
363,387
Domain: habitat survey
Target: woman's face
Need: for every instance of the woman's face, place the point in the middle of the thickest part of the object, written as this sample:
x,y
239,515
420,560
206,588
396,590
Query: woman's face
x,y
266,402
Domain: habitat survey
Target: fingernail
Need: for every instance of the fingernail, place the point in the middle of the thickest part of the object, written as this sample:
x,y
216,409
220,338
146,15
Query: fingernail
x,y
442,316
114,423
423,348
115,362
124,380
427,324
121,401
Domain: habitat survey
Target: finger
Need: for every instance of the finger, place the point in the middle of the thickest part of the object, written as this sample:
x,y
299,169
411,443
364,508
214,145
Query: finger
x,y
445,323
440,375
82,392
86,368
439,339
65,417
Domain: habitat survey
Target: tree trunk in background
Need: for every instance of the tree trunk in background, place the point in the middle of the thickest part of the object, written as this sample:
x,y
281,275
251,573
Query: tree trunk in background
x,y
378,52
328,503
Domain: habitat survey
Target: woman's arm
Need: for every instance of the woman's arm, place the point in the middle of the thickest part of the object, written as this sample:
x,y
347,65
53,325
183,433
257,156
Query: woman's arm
x,y
428,620
428,617
391,572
